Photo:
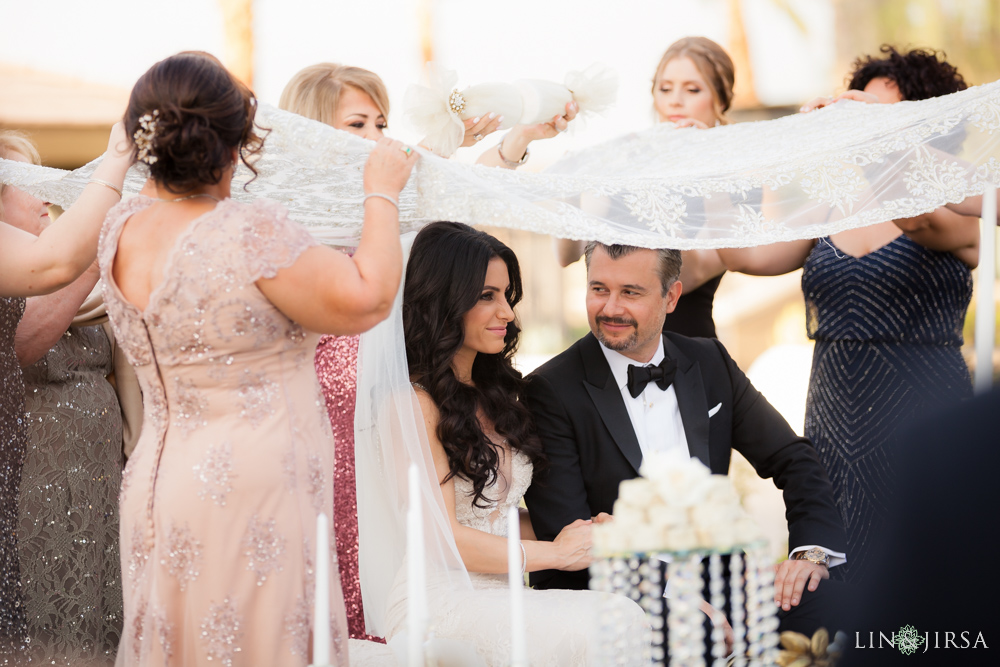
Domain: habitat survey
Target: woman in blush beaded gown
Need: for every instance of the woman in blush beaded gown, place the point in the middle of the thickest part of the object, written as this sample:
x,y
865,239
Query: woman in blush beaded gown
x,y
68,497
37,259
219,305
885,305
356,100
692,87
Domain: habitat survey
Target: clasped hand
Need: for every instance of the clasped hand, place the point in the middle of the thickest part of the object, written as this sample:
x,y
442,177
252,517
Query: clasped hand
x,y
574,545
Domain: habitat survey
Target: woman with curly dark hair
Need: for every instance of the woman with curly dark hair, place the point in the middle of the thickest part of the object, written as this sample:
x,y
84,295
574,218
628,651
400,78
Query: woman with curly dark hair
x,y
460,332
918,74
885,305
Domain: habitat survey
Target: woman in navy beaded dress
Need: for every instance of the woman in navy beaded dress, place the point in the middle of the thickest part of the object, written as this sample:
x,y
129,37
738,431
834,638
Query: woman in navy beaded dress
x,y
885,305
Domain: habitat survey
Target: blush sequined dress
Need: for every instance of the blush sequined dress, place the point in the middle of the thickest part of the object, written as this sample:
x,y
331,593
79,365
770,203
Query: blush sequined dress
x,y
235,460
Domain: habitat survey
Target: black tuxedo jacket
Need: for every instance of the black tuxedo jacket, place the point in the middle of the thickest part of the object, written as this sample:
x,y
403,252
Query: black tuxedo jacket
x,y
591,446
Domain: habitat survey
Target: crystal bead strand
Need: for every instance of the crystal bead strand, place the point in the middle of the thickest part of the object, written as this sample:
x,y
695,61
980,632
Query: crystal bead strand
x,y
716,588
738,609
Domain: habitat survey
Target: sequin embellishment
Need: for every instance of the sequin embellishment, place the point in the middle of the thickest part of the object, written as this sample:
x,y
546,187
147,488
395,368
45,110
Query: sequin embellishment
x,y
189,406
184,554
221,632
263,546
215,473
256,393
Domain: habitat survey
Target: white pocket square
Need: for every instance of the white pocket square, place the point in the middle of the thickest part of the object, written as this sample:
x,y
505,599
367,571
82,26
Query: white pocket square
x,y
711,413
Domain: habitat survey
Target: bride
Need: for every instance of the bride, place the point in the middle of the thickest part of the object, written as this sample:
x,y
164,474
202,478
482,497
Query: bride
x,y
460,333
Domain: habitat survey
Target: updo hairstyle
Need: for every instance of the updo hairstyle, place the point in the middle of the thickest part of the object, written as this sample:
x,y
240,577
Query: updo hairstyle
x,y
202,114
919,73
314,92
712,62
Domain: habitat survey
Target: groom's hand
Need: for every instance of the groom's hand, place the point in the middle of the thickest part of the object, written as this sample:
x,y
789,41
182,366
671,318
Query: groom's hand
x,y
791,578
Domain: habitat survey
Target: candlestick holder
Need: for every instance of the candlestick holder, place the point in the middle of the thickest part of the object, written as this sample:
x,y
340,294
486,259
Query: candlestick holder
x,y
637,575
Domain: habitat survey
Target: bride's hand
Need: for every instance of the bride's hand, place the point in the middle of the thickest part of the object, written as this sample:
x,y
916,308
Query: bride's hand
x,y
573,546
477,128
388,167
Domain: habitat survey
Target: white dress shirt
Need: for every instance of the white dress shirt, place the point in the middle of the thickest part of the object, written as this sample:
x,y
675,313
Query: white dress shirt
x,y
655,415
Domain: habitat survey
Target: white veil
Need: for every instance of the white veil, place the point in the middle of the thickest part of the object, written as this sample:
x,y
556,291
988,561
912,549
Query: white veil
x,y
802,176
389,435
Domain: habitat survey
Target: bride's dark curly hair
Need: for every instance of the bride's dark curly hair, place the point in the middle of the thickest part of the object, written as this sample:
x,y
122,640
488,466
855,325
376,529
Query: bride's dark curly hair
x,y
444,280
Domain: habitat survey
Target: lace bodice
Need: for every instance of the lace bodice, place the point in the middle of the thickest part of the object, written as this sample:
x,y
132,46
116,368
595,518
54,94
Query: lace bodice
x,y
490,516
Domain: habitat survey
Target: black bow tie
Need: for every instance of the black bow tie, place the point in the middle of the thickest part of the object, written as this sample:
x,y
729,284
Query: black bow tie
x,y
640,376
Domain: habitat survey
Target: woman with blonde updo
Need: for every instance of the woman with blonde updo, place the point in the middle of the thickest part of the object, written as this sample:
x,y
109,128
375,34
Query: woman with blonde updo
x,y
692,87
356,100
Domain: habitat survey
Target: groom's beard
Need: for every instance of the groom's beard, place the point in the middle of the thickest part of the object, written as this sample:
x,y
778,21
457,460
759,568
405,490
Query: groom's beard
x,y
619,345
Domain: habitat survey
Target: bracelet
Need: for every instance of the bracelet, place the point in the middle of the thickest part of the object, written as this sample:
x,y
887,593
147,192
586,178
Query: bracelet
x,y
510,163
107,185
524,558
382,196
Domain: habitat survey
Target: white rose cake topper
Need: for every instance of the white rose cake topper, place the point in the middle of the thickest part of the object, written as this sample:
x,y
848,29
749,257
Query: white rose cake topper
x,y
438,109
676,505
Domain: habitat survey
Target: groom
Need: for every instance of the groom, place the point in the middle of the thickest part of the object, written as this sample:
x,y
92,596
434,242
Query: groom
x,y
626,389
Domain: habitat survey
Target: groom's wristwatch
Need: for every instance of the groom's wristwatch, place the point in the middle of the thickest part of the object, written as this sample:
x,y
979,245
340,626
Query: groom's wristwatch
x,y
814,555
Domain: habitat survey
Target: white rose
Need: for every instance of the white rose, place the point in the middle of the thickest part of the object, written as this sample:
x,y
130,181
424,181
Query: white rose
x,y
637,492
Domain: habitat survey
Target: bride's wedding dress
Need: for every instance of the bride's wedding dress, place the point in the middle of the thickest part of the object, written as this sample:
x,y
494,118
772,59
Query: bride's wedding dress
x,y
563,626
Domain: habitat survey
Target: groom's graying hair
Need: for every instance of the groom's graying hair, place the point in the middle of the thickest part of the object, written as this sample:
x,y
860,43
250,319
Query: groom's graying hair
x,y
670,260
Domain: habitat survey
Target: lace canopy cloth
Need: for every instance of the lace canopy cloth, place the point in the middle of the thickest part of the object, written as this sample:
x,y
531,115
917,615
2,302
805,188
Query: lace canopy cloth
x,y
801,176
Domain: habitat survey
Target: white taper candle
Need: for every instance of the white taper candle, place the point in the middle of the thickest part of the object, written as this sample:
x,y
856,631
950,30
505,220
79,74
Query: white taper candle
x,y
416,573
985,304
515,578
321,611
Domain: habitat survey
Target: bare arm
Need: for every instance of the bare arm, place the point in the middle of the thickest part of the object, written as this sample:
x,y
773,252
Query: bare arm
x,y
46,318
41,264
327,291
698,267
973,206
568,250
944,230
483,552
515,144
767,260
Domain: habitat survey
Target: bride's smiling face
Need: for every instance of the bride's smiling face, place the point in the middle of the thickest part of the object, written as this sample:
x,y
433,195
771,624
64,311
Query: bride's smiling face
x,y
682,92
358,114
485,325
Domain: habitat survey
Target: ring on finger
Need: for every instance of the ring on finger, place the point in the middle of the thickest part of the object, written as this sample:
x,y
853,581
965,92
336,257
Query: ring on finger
x,y
477,136
406,149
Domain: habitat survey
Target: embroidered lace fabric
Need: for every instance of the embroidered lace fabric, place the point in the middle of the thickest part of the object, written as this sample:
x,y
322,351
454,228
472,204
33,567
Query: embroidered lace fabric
x,y
220,496
801,176
68,503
